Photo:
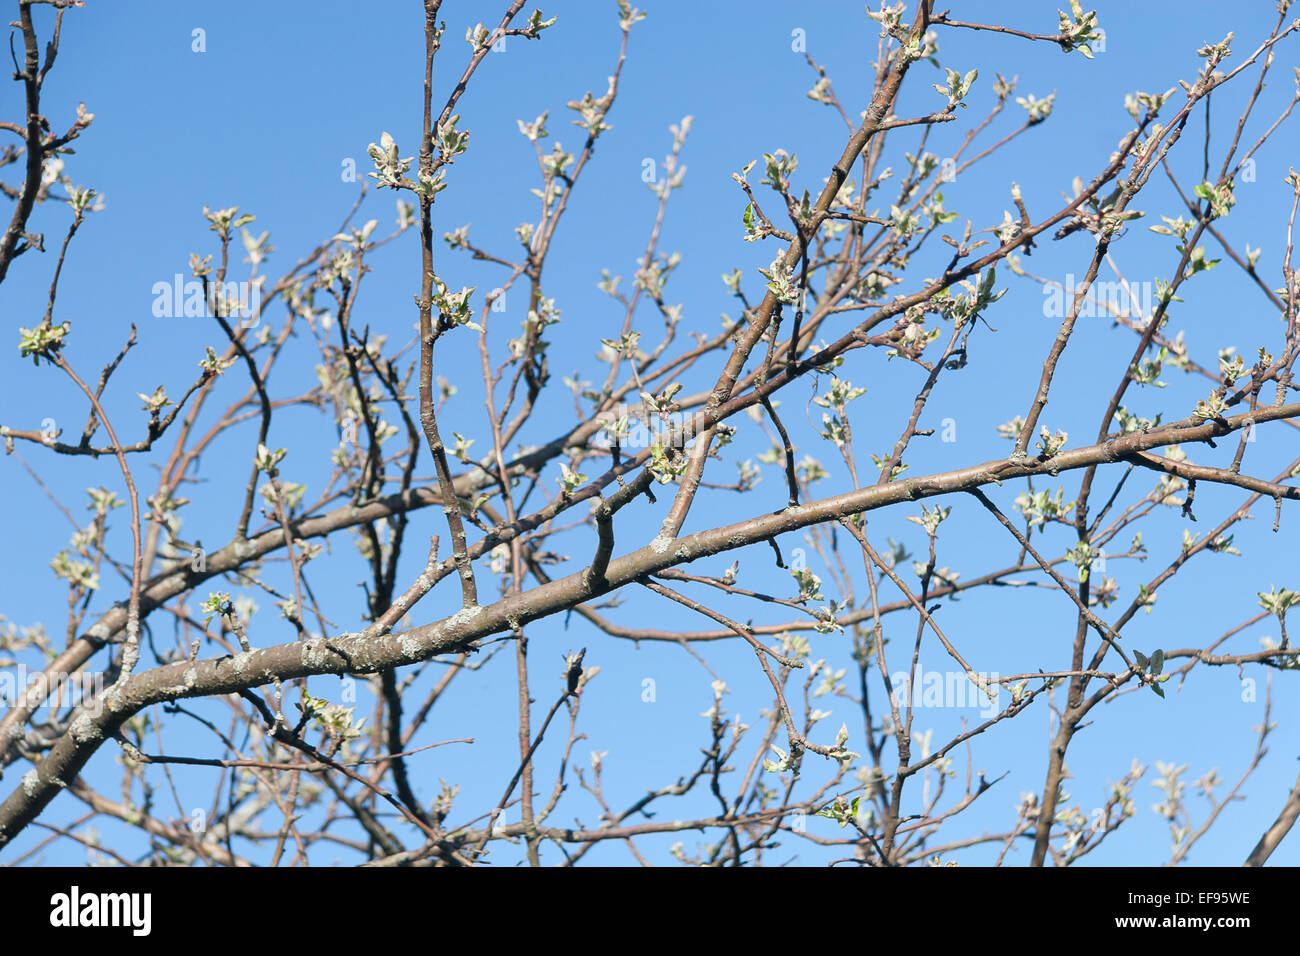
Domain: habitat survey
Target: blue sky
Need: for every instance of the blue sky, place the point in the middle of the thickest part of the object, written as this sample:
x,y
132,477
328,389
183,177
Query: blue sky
x,y
285,94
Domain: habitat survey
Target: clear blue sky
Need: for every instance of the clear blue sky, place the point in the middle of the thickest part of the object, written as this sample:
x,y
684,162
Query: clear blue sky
x,y
285,93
